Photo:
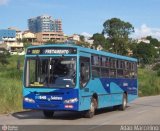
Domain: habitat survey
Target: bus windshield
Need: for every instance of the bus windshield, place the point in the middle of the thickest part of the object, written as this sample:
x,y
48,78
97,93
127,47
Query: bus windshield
x,y
56,72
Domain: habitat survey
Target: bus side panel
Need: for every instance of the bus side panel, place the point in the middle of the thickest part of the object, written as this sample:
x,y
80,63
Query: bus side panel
x,y
117,87
104,101
109,90
131,97
116,93
84,103
117,99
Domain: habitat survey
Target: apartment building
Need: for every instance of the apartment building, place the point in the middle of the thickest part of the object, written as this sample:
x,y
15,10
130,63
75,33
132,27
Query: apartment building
x,y
44,23
50,36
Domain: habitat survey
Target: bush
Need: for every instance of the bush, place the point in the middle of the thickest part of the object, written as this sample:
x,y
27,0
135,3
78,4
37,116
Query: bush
x,y
156,67
148,82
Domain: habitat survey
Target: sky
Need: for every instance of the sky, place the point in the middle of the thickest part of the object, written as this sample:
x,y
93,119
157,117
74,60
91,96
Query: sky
x,y
84,16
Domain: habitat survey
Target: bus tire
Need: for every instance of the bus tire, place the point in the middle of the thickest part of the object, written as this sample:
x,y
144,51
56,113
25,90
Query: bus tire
x,y
48,114
124,103
90,113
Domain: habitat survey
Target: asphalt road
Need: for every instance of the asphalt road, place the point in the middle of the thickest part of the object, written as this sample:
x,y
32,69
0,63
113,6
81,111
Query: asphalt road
x,y
145,110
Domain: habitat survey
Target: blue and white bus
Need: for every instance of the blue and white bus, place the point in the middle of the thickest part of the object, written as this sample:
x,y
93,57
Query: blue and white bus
x,y
63,77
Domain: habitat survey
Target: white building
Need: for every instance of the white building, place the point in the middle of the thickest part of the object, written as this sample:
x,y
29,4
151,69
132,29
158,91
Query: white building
x,y
29,36
143,40
74,37
18,32
15,48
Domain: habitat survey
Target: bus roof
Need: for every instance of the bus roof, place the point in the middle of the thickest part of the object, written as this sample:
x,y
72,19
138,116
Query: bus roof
x,y
87,50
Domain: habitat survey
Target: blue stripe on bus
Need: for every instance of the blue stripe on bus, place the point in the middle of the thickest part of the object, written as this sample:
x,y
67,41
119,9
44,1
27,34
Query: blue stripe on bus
x,y
114,85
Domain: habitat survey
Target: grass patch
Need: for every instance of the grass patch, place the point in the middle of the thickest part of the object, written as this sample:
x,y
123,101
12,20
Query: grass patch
x,y
149,82
11,86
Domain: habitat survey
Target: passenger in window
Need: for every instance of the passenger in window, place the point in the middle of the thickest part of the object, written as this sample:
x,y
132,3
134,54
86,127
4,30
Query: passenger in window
x,y
83,75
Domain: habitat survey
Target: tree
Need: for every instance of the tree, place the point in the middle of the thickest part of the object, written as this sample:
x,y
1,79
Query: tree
x,y
82,42
145,52
118,33
99,40
153,41
82,38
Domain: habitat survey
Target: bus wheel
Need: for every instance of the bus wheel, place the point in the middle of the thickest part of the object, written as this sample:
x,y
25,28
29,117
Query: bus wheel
x,y
124,102
48,114
90,113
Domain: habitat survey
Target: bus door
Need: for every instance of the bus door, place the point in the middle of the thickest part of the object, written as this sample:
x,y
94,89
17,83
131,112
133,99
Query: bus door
x,y
84,79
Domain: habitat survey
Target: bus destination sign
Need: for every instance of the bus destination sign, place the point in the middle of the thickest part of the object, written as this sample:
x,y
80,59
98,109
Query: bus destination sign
x,y
56,51
38,51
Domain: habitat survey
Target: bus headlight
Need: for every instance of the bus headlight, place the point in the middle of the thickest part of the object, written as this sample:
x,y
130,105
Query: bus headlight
x,y
29,100
73,100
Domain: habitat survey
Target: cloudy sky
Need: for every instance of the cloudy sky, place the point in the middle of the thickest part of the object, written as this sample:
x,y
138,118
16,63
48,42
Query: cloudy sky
x,y
84,16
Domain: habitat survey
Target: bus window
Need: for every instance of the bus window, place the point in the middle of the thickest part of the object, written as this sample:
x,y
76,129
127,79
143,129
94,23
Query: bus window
x,y
84,71
126,64
95,60
113,63
126,74
104,72
112,73
120,73
108,62
122,64
95,72
103,61
51,72
118,64
135,70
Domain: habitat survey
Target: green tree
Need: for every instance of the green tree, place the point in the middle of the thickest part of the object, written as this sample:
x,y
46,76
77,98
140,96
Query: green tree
x,y
145,52
99,40
82,38
153,41
118,32
82,42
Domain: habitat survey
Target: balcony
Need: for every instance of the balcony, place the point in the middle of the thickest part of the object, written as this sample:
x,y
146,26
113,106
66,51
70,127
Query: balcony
x,y
9,39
